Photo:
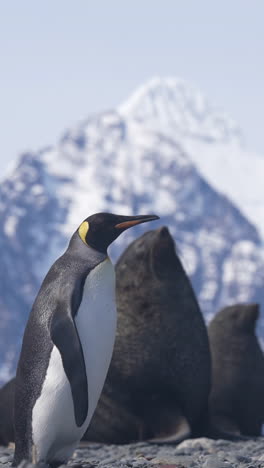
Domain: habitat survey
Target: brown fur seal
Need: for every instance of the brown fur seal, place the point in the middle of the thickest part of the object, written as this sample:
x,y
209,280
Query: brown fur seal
x,y
7,395
236,403
159,378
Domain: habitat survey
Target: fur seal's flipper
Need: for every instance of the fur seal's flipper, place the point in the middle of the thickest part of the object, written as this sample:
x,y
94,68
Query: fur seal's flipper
x,y
226,425
215,433
65,337
182,432
220,427
168,425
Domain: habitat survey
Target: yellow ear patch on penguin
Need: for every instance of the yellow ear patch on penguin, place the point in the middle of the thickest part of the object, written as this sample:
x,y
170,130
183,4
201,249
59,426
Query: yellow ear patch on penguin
x,y
83,229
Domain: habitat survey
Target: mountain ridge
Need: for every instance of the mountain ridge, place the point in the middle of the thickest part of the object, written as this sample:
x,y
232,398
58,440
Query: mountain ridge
x,y
111,162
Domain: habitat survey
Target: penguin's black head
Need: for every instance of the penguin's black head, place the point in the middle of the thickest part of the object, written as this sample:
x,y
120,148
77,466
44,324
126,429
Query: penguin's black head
x,y
100,230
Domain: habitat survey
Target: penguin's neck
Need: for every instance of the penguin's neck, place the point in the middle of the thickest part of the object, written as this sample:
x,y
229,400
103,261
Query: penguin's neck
x,y
78,248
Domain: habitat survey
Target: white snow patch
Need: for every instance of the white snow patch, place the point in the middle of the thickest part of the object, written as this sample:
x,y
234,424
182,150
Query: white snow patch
x,y
233,171
10,225
189,258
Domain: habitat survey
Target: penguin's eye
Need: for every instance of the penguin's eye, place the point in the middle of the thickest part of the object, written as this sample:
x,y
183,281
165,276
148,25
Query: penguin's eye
x,y
83,229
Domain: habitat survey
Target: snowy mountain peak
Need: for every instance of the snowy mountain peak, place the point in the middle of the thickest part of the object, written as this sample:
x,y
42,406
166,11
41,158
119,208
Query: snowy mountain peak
x,y
176,108
165,150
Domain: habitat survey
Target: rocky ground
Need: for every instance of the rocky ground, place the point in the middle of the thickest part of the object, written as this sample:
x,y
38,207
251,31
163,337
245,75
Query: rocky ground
x,y
196,453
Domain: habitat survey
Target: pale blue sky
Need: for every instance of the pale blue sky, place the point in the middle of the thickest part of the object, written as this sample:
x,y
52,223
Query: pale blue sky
x,y
62,60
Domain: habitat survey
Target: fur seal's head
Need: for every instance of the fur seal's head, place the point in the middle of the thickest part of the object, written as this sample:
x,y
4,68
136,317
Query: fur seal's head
x,y
240,317
163,253
154,251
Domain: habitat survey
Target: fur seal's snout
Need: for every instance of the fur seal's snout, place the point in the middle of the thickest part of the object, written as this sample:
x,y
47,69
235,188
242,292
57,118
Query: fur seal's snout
x,y
163,231
164,257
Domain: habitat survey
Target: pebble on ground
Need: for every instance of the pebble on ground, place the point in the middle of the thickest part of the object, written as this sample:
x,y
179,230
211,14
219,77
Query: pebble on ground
x,y
192,453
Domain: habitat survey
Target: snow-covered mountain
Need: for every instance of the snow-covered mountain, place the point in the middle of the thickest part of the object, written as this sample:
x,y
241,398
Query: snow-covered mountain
x,y
211,139
151,155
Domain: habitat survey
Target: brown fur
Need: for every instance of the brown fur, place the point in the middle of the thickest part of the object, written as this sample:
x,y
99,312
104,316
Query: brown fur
x,y
236,403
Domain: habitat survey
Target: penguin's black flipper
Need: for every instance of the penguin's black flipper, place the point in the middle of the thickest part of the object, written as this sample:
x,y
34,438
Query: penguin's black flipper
x,y
65,337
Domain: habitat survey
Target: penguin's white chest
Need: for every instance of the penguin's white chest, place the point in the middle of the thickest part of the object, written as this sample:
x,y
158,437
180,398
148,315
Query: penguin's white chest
x,y
54,430
96,325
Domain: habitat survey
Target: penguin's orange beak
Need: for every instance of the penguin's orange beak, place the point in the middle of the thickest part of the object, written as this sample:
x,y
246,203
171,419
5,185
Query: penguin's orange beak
x,y
134,220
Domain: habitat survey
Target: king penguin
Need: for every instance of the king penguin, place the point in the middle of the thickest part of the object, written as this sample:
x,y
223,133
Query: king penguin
x,y
68,344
